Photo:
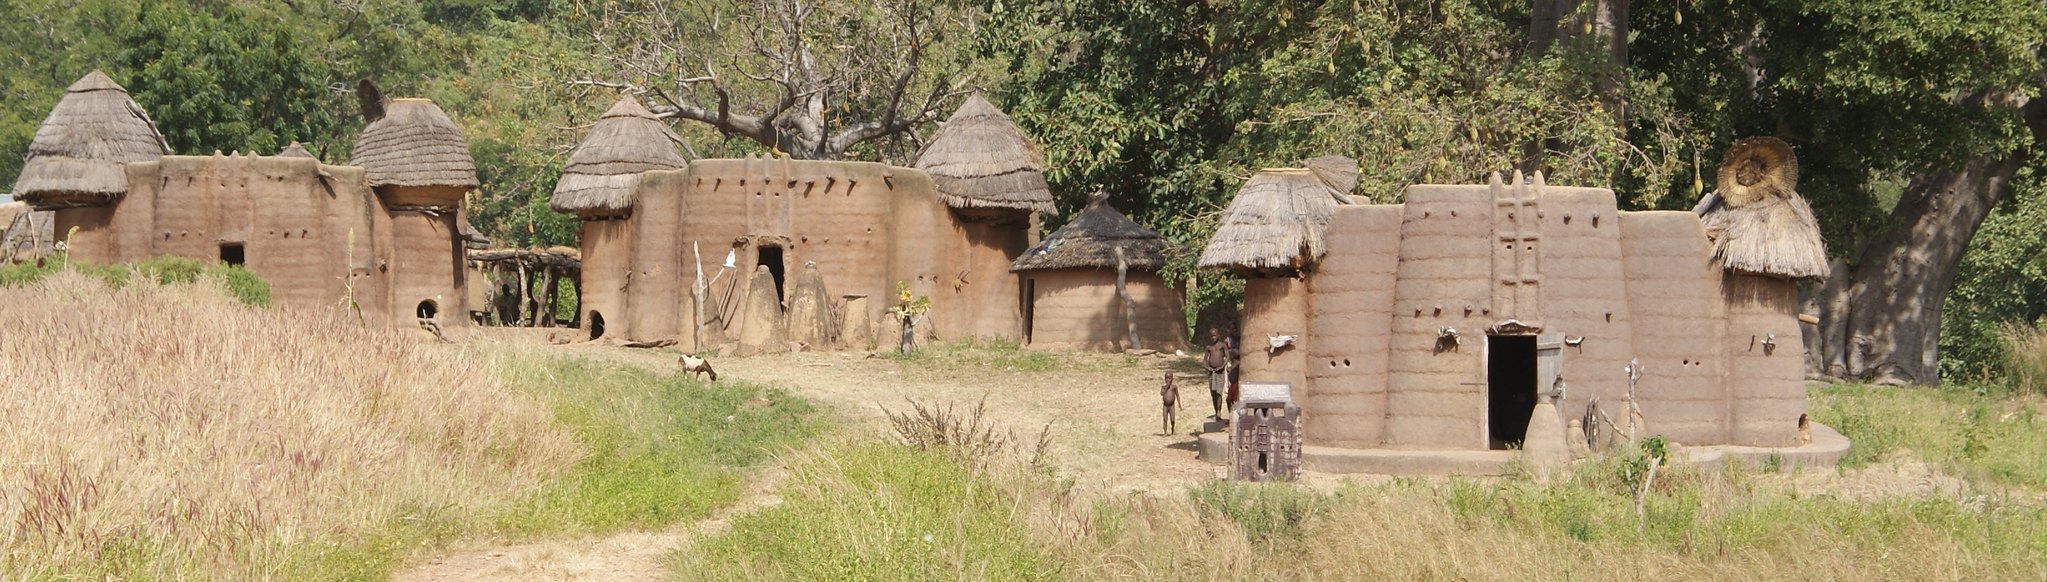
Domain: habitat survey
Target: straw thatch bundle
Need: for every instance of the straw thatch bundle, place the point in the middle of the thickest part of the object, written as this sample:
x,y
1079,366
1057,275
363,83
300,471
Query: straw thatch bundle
x,y
605,168
1091,240
414,144
980,159
1756,220
295,150
1275,223
78,154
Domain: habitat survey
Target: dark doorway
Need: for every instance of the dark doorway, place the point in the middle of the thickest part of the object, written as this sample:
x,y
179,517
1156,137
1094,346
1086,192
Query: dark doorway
x,y
232,254
596,324
1028,297
772,257
1510,388
427,309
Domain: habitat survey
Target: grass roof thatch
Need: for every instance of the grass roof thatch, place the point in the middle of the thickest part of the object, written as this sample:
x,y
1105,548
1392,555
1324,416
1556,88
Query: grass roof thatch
x,y
78,153
414,144
1756,220
605,168
1091,240
1275,223
980,159
295,150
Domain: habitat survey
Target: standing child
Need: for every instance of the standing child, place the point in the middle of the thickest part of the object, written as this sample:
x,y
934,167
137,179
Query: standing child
x,y
1217,361
1169,395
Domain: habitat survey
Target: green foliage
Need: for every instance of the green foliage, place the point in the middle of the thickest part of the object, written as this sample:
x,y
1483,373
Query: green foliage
x,y
878,512
1273,511
662,448
227,77
2001,283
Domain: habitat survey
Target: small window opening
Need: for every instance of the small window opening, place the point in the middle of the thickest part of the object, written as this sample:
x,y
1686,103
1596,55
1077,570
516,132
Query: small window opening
x,y
427,309
232,254
596,324
772,257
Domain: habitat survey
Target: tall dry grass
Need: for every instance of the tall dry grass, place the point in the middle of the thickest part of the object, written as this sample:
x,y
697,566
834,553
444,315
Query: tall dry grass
x,y
167,432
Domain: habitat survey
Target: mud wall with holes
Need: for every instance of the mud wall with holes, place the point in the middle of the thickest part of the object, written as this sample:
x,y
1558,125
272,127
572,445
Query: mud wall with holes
x,y
1766,359
308,229
1079,309
865,226
1394,320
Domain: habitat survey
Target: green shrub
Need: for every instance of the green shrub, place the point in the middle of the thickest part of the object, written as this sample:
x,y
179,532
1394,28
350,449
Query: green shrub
x,y
1264,510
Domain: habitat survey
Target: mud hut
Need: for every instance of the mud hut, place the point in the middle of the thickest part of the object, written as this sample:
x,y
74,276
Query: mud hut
x,y
1440,323
319,234
985,166
78,154
1094,285
415,159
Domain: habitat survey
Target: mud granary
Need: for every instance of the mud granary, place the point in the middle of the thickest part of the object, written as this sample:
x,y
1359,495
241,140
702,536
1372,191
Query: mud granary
x,y
1438,323
1094,285
776,253
383,232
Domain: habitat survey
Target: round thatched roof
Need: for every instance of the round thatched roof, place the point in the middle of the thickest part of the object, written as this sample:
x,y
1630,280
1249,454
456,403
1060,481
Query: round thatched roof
x,y
80,150
1756,220
1276,222
605,168
295,150
1091,240
980,159
414,144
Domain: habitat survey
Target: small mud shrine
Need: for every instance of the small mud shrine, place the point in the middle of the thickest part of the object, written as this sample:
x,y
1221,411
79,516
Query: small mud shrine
x,y
1440,323
776,254
384,231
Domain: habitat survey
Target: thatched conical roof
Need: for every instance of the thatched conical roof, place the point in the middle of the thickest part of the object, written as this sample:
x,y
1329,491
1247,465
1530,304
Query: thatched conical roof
x,y
1756,220
605,168
980,159
78,154
1091,240
295,150
1276,222
414,144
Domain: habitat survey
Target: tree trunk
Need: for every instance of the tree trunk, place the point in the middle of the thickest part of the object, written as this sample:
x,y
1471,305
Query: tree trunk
x,y
1888,309
1123,292
1882,315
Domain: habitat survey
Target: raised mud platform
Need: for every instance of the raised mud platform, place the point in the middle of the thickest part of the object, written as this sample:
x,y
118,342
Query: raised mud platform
x,y
1825,451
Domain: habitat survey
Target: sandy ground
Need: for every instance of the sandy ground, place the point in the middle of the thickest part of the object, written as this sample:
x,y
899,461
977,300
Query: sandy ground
x,y
1102,409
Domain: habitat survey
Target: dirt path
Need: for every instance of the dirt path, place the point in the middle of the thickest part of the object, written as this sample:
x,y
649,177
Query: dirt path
x,y
1102,410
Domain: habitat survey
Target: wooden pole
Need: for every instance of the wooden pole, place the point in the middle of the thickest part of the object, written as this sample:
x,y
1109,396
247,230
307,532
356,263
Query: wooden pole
x,y
525,290
1129,306
549,283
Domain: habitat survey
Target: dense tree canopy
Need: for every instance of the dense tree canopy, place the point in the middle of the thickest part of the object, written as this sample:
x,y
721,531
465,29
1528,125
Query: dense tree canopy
x,y
1915,121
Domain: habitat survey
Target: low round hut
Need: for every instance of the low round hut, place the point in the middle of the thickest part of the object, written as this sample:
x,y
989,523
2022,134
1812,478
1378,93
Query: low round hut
x,y
415,159
79,154
984,166
1765,236
1094,285
600,185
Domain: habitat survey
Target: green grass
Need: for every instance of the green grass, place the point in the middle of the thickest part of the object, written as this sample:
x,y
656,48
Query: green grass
x,y
240,283
878,512
1991,434
662,448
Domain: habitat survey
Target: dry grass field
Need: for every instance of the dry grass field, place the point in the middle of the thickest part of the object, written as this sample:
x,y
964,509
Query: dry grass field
x,y
166,431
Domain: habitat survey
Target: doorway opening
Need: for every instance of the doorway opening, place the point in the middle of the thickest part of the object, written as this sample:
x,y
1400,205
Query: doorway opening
x,y
1510,389
596,324
233,255
1028,297
772,257
427,309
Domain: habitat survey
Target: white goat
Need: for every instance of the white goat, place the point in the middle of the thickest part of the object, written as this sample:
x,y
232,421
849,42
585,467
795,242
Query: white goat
x,y
697,366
